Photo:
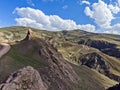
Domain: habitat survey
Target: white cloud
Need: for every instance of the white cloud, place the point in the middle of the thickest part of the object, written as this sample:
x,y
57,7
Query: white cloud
x,y
115,29
65,7
37,19
85,2
88,12
100,13
88,27
114,9
103,14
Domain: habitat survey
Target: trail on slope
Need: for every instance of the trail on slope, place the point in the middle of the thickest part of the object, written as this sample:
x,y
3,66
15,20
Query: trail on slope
x,y
5,48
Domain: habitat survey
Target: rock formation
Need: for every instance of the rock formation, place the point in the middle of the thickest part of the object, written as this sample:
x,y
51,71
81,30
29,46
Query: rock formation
x,y
24,79
56,72
104,46
60,75
95,61
29,35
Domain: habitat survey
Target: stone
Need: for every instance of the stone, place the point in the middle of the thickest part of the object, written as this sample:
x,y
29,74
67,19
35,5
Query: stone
x,y
24,79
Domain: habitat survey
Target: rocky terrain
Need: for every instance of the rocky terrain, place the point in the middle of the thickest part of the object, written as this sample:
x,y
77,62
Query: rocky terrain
x,y
95,61
57,73
104,46
24,79
64,60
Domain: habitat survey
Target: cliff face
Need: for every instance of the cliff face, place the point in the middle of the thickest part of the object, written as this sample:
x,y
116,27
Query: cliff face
x,y
95,61
99,63
24,79
60,75
104,46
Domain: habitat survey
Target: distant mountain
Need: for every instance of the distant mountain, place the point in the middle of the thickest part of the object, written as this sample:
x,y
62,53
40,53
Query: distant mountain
x,y
65,60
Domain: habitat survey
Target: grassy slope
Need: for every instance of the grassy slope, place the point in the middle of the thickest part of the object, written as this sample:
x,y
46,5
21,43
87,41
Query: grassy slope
x,y
92,80
15,60
89,79
18,58
72,53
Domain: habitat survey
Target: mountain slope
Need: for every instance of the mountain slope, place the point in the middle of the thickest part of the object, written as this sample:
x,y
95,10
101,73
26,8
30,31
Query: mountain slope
x,y
58,56
38,53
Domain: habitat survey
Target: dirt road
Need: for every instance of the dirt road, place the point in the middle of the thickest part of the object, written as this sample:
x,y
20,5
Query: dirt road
x,y
5,48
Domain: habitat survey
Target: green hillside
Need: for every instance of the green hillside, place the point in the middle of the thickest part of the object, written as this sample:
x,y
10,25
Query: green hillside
x,y
87,53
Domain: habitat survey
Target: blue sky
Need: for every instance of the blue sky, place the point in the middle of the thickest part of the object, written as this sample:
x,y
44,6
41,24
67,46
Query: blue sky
x,y
90,15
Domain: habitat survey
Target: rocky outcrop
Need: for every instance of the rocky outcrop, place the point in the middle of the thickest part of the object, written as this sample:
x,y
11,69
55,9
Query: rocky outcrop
x,y
113,76
32,35
104,46
58,75
24,79
99,44
95,61
29,35
56,72
116,87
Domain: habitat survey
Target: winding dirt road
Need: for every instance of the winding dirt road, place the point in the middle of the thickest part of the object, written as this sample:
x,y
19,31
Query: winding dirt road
x,y
5,48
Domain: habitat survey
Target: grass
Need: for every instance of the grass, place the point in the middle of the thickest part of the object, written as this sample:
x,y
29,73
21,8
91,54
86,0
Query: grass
x,y
92,80
20,55
24,59
72,52
15,60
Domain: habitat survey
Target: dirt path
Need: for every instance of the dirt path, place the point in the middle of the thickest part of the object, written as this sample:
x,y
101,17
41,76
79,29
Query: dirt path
x,y
5,48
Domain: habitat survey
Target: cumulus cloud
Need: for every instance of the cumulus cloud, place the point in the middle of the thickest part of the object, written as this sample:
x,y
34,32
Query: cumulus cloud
x,y
114,9
85,2
115,29
103,14
88,27
100,13
88,12
37,19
